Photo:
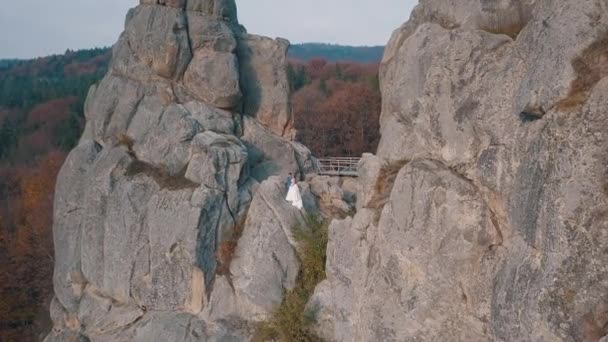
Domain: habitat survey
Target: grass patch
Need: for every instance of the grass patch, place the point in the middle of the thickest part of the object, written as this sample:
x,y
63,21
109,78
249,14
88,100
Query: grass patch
x,y
160,175
385,182
126,141
291,321
590,68
384,187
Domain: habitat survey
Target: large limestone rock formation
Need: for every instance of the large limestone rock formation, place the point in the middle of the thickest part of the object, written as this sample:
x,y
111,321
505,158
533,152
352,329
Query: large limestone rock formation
x,y
165,172
495,226
482,217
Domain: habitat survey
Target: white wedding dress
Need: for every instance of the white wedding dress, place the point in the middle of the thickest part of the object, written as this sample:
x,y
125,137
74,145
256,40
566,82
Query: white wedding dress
x,y
294,197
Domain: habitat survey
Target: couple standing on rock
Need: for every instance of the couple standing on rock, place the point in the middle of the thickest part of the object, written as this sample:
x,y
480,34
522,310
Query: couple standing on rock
x,y
293,192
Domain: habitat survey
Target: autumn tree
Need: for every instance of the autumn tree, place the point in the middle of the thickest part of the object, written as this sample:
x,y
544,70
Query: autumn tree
x,y
337,113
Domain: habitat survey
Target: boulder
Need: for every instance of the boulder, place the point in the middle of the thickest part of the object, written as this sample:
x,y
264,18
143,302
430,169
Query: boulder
x,y
218,162
111,232
336,299
159,38
332,200
68,217
101,316
168,326
370,173
265,264
161,135
65,335
210,33
213,77
211,118
111,106
271,155
437,249
174,275
266,85
222,9
447,132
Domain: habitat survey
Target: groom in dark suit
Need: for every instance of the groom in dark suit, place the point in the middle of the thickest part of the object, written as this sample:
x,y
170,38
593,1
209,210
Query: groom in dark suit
x,y
288,182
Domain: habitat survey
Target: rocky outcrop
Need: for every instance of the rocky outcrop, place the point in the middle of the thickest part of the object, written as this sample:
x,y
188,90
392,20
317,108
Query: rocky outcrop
x,y
270,154
336,197
494,227
482,217
269,105
166,170
265,263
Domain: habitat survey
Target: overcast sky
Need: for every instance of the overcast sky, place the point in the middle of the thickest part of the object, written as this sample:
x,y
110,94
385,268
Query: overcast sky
x,y
31,28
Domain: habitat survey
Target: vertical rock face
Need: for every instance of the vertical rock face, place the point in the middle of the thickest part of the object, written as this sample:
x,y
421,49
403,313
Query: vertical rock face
x,y
164,173
495,228
269,105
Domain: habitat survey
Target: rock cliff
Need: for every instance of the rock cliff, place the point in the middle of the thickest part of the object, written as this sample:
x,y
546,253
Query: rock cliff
x,y
184,139
483,216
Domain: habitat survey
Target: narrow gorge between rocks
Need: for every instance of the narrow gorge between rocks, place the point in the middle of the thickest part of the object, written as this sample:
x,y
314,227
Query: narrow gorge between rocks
x,y
482,216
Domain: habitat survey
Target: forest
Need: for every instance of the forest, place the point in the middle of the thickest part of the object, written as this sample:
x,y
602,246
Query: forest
x,y
336,53
336,106
41,119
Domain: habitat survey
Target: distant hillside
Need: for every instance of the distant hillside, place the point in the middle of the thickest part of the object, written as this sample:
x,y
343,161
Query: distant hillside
x,y
7,63
336,53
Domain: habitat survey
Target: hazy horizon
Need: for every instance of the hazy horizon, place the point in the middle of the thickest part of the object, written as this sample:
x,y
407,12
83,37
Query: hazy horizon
x,y
99,24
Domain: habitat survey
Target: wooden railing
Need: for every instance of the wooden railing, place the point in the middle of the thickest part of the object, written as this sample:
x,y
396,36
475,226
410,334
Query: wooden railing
x,y
338,166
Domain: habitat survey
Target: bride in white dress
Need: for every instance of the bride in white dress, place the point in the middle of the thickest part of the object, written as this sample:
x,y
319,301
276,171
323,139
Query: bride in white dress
x,y
293,195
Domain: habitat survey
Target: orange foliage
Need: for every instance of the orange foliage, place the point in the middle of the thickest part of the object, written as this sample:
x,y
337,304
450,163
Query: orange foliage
x,y
51,112
35,143
90,66
26,247
337,113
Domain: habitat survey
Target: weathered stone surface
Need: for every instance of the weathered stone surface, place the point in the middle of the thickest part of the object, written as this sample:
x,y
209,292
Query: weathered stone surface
x,y
370,168
265,263
211,118
218,162
213,77
430,258
272,155
416,71
337,298
159,38
68,219
331,198
63,336
168,326
109,245
111,106
174,227
162,135
211,34
161,179
494,231
266,85
223,9
101,316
